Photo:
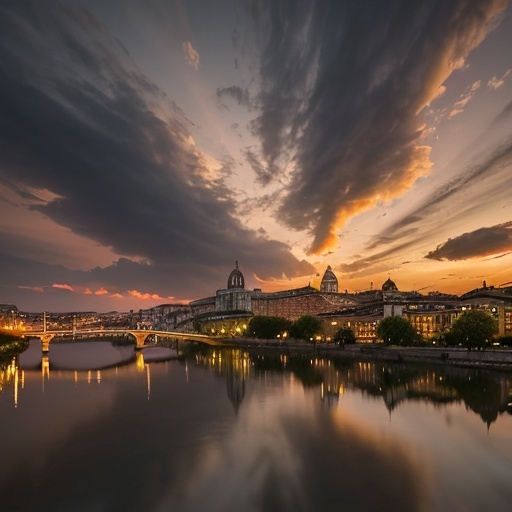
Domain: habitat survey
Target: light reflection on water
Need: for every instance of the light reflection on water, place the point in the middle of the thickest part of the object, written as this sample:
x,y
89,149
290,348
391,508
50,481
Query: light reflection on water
x,y
99,428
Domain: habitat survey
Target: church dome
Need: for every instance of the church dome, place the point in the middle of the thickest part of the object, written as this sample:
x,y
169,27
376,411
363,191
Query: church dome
x,y
329,281
236,278
389,286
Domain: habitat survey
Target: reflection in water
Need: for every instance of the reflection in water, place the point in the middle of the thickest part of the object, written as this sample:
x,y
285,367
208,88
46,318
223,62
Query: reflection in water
x,y
11,376
487,393
231,429
234,365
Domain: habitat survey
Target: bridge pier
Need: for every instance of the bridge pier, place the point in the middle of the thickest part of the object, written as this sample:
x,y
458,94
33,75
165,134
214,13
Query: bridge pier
x,y
140,338
45,342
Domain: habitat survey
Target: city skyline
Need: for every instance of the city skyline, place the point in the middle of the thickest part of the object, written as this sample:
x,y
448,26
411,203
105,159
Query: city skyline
x,y
147,146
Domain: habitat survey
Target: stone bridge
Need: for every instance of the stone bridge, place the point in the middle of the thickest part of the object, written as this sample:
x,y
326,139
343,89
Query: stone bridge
x,y
140,335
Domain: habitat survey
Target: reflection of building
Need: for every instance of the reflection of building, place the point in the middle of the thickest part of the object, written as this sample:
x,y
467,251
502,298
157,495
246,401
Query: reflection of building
x,y
237,368
235,365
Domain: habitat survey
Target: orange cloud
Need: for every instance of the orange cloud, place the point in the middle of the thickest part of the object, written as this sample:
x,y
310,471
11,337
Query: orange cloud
x,y
63,287
145,296
391,187
191,55
101,291
38,289
464,99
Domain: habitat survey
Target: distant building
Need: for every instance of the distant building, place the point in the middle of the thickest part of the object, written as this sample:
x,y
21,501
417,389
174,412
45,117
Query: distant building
x,y
229,311
329,282
292,304
393,299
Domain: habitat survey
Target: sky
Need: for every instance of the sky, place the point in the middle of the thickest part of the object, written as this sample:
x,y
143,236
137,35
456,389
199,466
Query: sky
x,y
148,145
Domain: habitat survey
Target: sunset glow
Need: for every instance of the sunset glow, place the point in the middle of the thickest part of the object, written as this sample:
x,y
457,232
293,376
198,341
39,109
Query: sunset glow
x,y
143,153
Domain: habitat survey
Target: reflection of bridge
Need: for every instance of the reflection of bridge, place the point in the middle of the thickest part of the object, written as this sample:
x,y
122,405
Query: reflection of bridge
x,y
140,335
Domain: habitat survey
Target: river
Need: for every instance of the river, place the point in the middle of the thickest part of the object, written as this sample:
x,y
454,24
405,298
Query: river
x,y
101,428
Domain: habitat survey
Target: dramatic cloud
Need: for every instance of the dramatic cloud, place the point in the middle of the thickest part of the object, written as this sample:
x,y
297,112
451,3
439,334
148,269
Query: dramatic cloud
x,y
263,175
79,120
241,96
482,242
121,177
349,112
191,55
466,197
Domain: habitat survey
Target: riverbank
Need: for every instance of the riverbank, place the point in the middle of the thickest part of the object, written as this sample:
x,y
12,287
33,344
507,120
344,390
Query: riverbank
x,y
11,346
497,359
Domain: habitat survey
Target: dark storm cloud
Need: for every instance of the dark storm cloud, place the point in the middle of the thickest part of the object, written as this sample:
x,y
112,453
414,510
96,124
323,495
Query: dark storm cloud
x,y
342,84
263,175
481,242
79,119
241,96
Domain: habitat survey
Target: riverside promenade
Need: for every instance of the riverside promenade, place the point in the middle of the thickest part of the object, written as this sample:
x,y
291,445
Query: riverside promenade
x,y
492,358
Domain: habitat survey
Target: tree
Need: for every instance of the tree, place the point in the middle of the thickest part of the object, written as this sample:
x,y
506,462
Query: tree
x,y
345,336
268,327
305,328
396,330
473,329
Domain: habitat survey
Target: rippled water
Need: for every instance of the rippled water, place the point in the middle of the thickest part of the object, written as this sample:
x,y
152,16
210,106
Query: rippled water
x,y
95,427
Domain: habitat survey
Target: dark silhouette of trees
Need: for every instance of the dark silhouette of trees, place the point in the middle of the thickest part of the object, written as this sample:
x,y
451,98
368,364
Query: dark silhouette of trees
x,y
344,336
396,330
268,327
305,328
473,329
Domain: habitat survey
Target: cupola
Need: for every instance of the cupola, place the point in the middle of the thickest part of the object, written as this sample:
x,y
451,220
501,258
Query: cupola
x,y
236,278
389,286
329,282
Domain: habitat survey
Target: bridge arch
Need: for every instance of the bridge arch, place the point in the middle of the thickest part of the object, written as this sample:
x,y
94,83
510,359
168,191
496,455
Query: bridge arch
x,y
140,336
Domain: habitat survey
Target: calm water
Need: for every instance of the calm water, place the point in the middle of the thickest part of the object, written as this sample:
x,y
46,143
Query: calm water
x,y
98,428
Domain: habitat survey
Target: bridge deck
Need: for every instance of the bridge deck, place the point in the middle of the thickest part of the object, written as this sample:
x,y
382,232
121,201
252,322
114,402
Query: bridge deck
x,y
140,335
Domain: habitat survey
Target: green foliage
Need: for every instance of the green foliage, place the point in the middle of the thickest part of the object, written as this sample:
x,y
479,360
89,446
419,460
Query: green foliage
x,y
305,328
10,346
268,327
396,330
345,336
473,329
6,338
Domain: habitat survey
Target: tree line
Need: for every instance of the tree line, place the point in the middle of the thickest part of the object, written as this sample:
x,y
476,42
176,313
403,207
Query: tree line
x,y
473,329
271,327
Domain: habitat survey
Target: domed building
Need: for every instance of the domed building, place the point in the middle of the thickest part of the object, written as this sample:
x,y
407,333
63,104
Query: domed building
x,y
389,286
236,278
392,298
229,311
329,282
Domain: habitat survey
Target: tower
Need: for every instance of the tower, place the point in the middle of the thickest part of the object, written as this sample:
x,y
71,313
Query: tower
x,y
329,282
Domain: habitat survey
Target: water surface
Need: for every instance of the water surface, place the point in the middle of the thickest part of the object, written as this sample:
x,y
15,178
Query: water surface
x,y
95,427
